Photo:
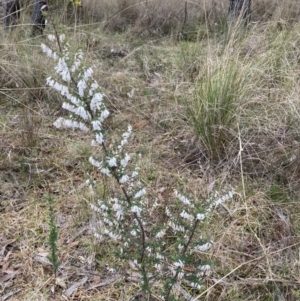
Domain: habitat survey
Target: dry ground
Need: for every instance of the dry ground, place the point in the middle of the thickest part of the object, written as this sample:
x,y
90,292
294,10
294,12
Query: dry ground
x,y
149,80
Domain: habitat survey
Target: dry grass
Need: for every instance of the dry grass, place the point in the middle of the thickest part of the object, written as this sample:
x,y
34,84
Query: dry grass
x,y
169,16
256,235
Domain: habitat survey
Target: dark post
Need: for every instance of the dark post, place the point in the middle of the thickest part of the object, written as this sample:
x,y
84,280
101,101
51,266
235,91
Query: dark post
x,y
11,12
239,8
38,18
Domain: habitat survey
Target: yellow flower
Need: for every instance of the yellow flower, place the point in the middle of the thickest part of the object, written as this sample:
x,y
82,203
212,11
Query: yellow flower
x,y
77,2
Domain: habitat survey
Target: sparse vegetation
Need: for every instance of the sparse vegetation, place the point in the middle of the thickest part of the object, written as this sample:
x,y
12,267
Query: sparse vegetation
x,y
160,78
52,236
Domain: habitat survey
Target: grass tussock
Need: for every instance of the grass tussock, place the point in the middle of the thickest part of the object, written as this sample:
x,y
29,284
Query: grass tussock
x,y
220,111
214,106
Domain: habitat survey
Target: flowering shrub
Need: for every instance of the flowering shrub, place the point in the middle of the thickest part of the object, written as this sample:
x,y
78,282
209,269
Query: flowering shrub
x,y
165,250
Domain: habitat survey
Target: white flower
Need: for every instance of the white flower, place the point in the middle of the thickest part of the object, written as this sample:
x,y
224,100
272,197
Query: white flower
x,y
200,216
114,200
74,100
63,70
108,222
125,161
51,37
104,115
140,193
81,126
46,49
96,101
118,209
125,136
180,247
180,275
183,199
68,107
81,111
99,138
67,123
124,179
224,198
168,212
88,73
94,86
195,285
66,52
155,204
112,270
112,162
49,81
49,52
88,182
98,236
57,86
133,233
187,216
179,264
81,85
119,214
205,268
134,174
136,209
176,228
62,37
105,171
95,208
157,266
67,94
161,234
204,247
77,61
103,207
96,124
113,235
95,162
64,90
